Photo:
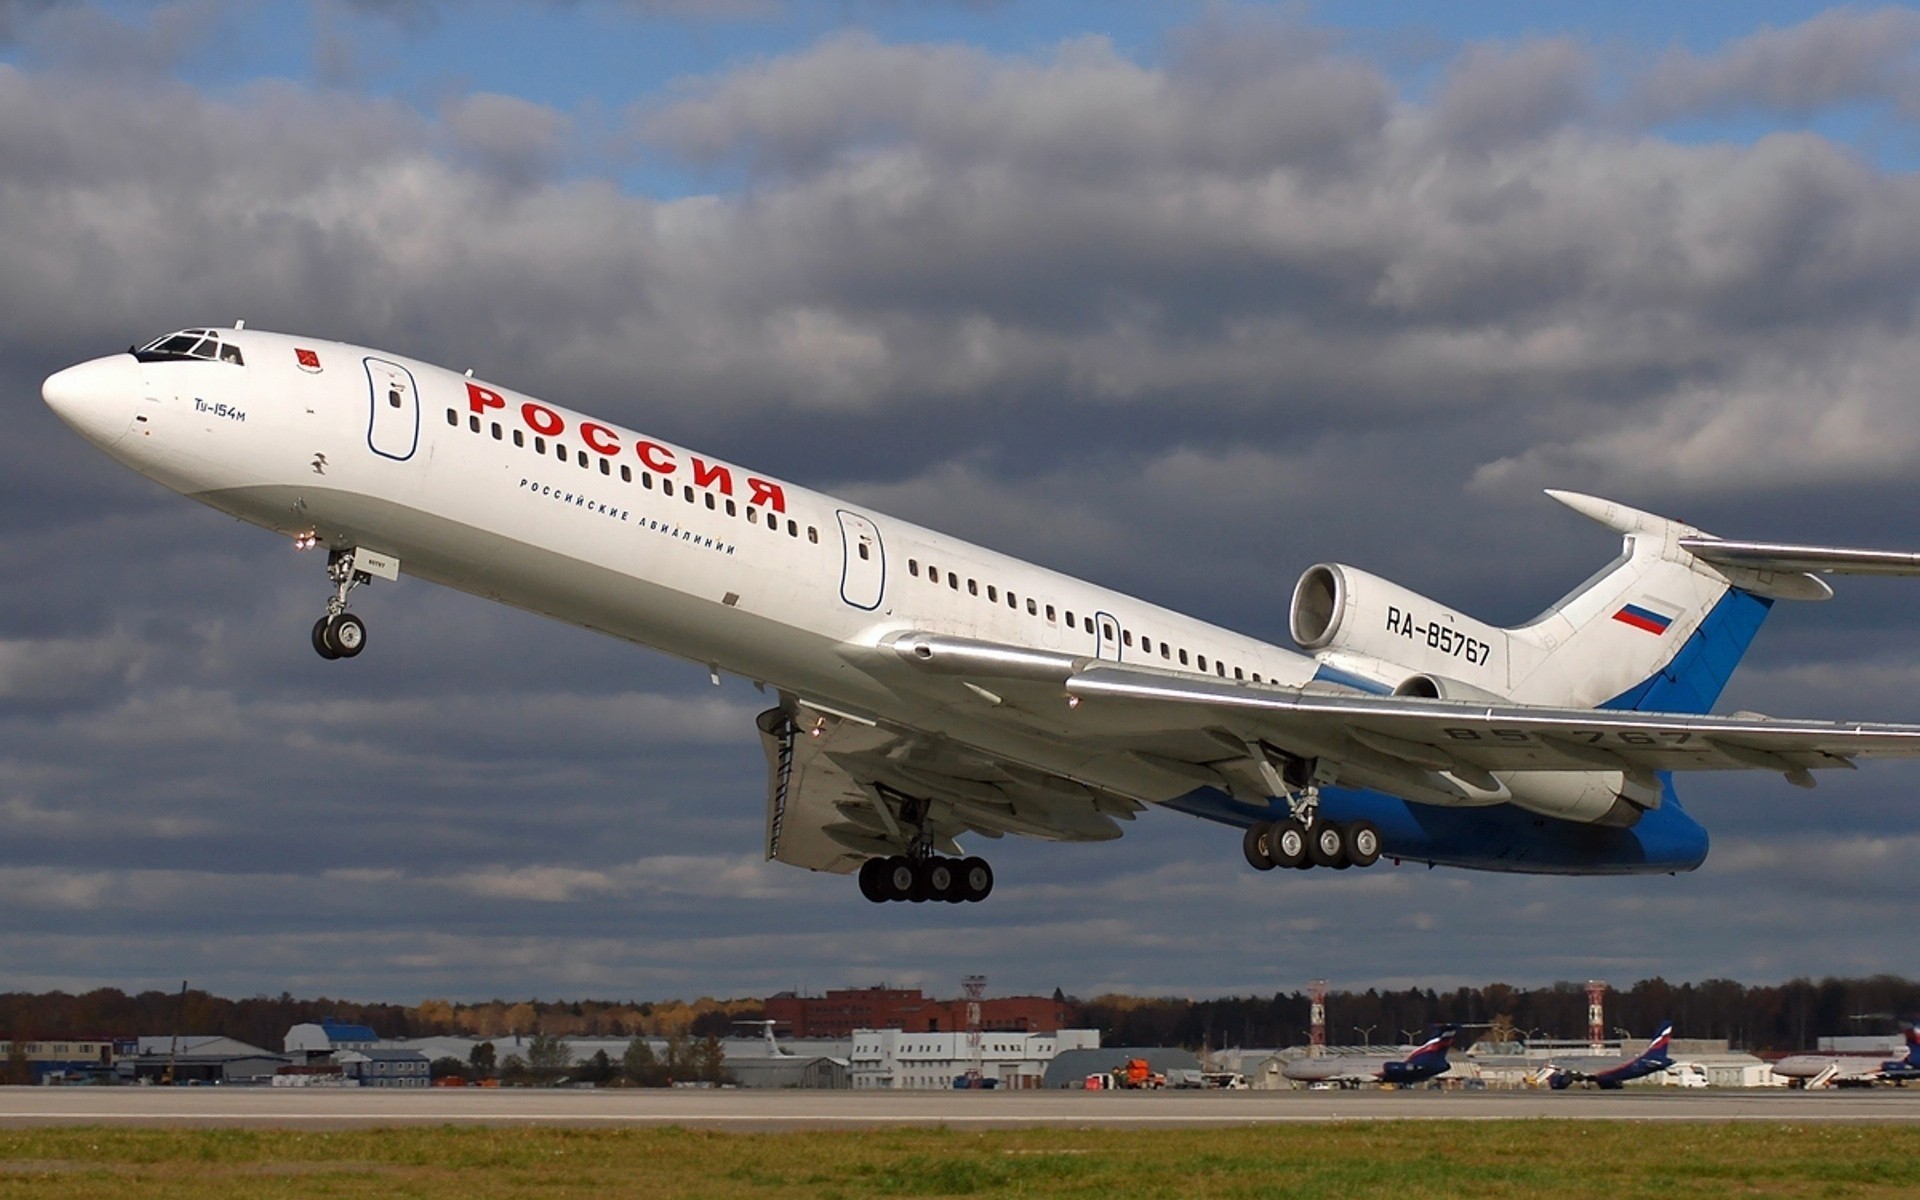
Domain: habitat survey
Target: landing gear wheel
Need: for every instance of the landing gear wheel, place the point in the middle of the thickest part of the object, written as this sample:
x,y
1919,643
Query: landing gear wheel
x,y
1287,844
320,645
1327,847
922,890
873,880
1363,843
1255,846
943,880
345,634
898,875
976,879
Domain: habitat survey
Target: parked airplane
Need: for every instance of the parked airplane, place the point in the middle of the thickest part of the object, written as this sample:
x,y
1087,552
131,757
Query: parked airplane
x,y
1351,1070
929,689
1852,1070
1652,1060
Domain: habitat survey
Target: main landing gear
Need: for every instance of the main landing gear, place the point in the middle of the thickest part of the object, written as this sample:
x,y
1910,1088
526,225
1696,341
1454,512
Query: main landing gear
x,y
340,634
1308,840
923,878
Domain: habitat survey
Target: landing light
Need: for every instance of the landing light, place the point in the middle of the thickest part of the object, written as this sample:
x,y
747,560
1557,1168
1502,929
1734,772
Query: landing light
x,y
306,541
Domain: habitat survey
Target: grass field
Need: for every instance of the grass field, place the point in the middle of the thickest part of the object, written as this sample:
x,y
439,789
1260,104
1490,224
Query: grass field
x,y
1400,1160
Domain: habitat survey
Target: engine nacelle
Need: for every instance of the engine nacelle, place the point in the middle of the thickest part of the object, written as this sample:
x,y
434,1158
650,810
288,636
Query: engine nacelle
x,y
1593,797
1341,610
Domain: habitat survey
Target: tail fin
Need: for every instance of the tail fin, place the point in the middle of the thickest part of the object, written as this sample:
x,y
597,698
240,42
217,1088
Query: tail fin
x,y
1659,629
1434,1049
1656,1053
1913,1046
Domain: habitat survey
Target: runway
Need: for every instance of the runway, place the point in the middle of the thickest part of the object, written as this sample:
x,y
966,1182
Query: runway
x,y
775,1110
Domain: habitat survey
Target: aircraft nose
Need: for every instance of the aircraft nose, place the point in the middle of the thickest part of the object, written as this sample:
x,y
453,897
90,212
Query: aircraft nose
x,y
96,397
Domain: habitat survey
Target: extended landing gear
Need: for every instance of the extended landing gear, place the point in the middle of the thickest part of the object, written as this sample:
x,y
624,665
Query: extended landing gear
x,y
1294,843
899,877
340,634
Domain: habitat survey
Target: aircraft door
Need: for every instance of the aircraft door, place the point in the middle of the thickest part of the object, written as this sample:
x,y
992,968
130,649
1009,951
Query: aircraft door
x,y
1106,632
393,424
863,570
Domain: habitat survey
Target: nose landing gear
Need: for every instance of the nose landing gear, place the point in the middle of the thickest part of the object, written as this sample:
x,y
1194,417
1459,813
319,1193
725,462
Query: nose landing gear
x,y
340,634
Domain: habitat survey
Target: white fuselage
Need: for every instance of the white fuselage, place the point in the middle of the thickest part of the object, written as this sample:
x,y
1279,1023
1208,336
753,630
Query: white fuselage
x,y
503,496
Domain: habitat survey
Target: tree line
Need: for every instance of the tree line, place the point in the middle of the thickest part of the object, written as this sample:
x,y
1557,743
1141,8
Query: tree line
x,y
1783,1016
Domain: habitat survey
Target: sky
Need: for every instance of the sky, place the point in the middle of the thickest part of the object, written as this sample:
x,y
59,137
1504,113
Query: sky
x,y
1179,298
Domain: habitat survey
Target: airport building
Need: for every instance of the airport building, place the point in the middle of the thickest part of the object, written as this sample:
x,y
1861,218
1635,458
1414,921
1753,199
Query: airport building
x,y
906,1059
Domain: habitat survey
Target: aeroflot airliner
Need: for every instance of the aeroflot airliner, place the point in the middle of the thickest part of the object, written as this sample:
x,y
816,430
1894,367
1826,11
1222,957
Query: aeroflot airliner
x,y
930,690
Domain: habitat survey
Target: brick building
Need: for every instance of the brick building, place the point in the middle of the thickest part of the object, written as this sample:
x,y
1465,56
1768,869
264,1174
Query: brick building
x,y
841,1011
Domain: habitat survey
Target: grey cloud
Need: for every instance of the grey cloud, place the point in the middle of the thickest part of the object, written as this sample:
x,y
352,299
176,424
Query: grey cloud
x,y
1846,55
1493,95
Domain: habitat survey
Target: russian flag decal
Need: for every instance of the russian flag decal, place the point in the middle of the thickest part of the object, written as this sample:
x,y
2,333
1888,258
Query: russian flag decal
x,y
1643,618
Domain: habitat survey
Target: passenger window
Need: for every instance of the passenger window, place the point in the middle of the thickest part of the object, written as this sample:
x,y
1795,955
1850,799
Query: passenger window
x,y
539,445
1239,674
1203,662
1070,621
1219,668
913,567
1256,677
519,438
993,594
973,585
1146,644
560,451
773,521
813,535
1050,612
953,580
606,468
710,503
1126,637
1089,621
581,457
498,433
393,397
864,552
793,527
473,423
1183,658
731,510
453,418
1013,601
626,473
687,493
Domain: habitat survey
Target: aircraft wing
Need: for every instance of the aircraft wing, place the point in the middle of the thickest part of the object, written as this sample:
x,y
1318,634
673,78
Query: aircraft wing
x,y
1472,739
1404,744
843,788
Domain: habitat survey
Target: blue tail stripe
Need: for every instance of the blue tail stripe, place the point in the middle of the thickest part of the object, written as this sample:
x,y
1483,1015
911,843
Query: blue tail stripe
x,y
1693,681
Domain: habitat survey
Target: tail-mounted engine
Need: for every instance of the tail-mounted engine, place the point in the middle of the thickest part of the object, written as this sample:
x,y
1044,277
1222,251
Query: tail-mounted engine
x,y
1399,638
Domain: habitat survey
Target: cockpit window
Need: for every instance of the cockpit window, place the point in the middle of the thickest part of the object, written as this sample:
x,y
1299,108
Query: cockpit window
x,y
190,345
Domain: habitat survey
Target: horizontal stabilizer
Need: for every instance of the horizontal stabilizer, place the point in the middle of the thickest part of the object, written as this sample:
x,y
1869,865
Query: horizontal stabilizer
x,y
1819,560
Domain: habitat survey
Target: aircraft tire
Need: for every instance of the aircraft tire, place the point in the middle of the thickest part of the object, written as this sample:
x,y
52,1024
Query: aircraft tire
x,y
899,877
1254,846
1327,845
873,880
1287,844
976,880
320,645
345,634
943,879
1363,843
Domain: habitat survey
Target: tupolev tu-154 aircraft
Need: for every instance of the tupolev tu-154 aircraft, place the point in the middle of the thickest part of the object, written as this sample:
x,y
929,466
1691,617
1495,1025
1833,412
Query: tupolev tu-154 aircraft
x,y
930,690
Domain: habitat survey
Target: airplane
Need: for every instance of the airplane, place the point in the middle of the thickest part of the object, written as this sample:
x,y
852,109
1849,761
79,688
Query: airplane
x,y
1348,1070
1653,1060
930,690
1852,1070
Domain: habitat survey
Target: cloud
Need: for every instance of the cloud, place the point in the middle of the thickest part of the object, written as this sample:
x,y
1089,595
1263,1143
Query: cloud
x,y
1842,56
